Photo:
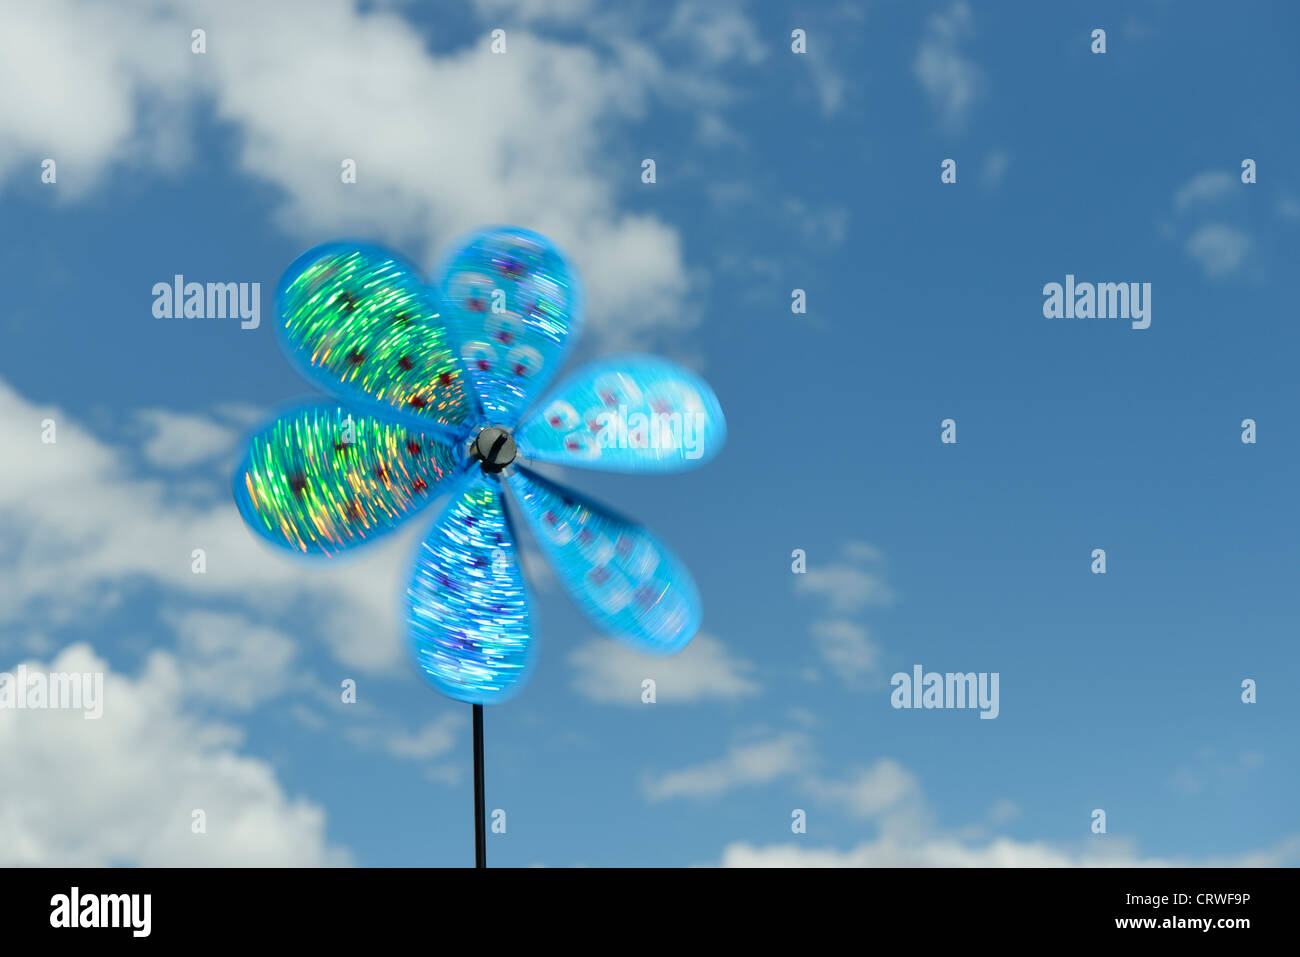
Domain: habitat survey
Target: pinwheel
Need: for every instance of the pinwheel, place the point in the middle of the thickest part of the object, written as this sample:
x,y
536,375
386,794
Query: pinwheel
x,y
430,386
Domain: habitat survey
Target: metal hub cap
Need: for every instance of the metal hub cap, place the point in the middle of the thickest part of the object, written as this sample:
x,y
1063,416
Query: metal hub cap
x,y
494,448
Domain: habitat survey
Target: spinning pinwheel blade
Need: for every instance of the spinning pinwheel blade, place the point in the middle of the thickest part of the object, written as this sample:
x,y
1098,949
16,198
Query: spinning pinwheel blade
x,y
430,386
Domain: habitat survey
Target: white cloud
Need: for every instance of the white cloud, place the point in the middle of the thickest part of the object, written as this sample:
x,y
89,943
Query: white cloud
x,y
891,796
443,143
862,552
79,528
1208,769
886,791
846,647
1219,248
122,789
718,33
1204,188
994,168
608,672
888,851
824,226
868,792
759,762
231,661
536,11
67,94
1003,811
843,586
177,440
827,80
952,80
435,739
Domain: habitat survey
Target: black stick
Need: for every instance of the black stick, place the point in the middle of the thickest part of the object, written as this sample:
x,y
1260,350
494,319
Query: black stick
x,y
480,818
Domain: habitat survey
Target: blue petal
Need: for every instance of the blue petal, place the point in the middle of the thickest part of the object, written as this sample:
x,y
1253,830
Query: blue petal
x,y
627,582
470,632
627,414
513,305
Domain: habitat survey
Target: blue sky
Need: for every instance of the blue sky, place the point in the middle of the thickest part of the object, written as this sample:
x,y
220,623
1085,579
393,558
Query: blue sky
x,y
775,171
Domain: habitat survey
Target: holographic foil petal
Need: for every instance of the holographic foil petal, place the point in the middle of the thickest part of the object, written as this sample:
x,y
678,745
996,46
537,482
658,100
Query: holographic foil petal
x,y
620,575
357,322
627,414
323,477
470,632
512,303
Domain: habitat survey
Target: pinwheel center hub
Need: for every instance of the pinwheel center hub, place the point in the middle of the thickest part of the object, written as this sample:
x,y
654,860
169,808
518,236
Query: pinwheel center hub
x,y
494,448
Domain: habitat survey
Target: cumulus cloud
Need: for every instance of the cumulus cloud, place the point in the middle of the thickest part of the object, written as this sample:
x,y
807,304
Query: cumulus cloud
x,y
81,527
943,851
123,789
443,142
891,798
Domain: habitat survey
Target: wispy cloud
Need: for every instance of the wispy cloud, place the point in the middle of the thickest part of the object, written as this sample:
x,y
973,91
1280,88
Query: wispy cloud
x,y
1219,248
1204,188
951,79
231,661
845,587
846,647
994,168
175,440
870,791
607,672
717,32
744,765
